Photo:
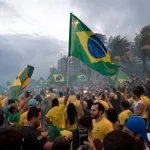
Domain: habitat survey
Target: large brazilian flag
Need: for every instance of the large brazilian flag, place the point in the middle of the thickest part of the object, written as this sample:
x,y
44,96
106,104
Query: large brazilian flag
x,y
87,46
22,81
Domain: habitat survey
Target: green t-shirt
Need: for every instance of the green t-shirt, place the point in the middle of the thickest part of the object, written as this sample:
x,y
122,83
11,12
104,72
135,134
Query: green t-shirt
x,y
14,118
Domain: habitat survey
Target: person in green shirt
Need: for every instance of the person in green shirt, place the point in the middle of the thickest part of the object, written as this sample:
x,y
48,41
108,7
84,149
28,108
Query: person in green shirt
x,y
13,114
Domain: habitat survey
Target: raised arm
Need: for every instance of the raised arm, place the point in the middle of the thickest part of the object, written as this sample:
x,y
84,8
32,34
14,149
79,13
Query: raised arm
x,y
66,97
109,104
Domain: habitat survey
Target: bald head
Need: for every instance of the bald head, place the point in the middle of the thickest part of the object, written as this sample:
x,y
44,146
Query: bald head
x,y
111,95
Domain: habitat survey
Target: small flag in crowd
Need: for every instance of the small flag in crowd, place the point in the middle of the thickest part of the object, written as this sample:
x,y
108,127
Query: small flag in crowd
x,y
56,76
22,81
81,77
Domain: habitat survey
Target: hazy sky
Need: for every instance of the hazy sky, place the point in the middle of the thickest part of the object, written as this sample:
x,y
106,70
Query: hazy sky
x,y
36,31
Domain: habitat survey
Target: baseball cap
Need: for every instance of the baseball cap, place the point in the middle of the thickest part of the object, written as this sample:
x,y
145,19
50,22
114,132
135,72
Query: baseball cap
x,y
137,125
32,102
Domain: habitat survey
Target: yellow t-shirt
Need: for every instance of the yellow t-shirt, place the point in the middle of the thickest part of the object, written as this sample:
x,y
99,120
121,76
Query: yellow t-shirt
x,y
68,126
23,120
116,97
56,115
122,94
72,99
79,110
105,104
146,102
123,116
131,100
52,95
61,100
3,101
101,128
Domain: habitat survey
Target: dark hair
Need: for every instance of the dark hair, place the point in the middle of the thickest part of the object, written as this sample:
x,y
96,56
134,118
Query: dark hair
x,y
99,94
61,94
78,96
100,107
11,101
137,92
71,113
113,89
85,122
55,102
11,109
60,143
112,115
27,94
33,112
103,95
1,118
125,104
10,138
118,140
141,89
89,103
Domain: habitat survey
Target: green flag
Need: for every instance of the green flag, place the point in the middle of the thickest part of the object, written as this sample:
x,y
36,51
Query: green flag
x,y
56,76
81,77
119,78
22,81
87,46
41,81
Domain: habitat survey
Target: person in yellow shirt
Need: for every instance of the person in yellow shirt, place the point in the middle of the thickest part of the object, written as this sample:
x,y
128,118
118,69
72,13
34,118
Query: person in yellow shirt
x,y
71,117
4,101
61,98
23,117
131,101
112,116
79,109
55,116
125,114
72,97
101,125
51,93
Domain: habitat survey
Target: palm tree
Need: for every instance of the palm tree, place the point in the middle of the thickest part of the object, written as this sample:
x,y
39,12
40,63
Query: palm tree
x,y
142,41
118,47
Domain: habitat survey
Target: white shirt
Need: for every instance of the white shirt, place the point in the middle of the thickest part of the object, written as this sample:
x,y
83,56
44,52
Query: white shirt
x,y
135,104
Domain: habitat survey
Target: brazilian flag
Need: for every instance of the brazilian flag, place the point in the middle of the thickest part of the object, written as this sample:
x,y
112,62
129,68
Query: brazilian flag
x,y
120,78
22,81
41,81
82,77
56,76
87,46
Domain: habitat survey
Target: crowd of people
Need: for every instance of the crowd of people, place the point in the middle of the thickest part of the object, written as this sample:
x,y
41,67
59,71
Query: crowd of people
x,y
115,119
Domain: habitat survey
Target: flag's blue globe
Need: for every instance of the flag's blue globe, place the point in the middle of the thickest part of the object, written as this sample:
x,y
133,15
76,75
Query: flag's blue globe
x,y
96,47
59,78
82,78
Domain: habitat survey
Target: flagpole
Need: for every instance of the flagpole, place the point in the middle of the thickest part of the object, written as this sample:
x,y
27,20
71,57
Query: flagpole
x,y
69,47
68,69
